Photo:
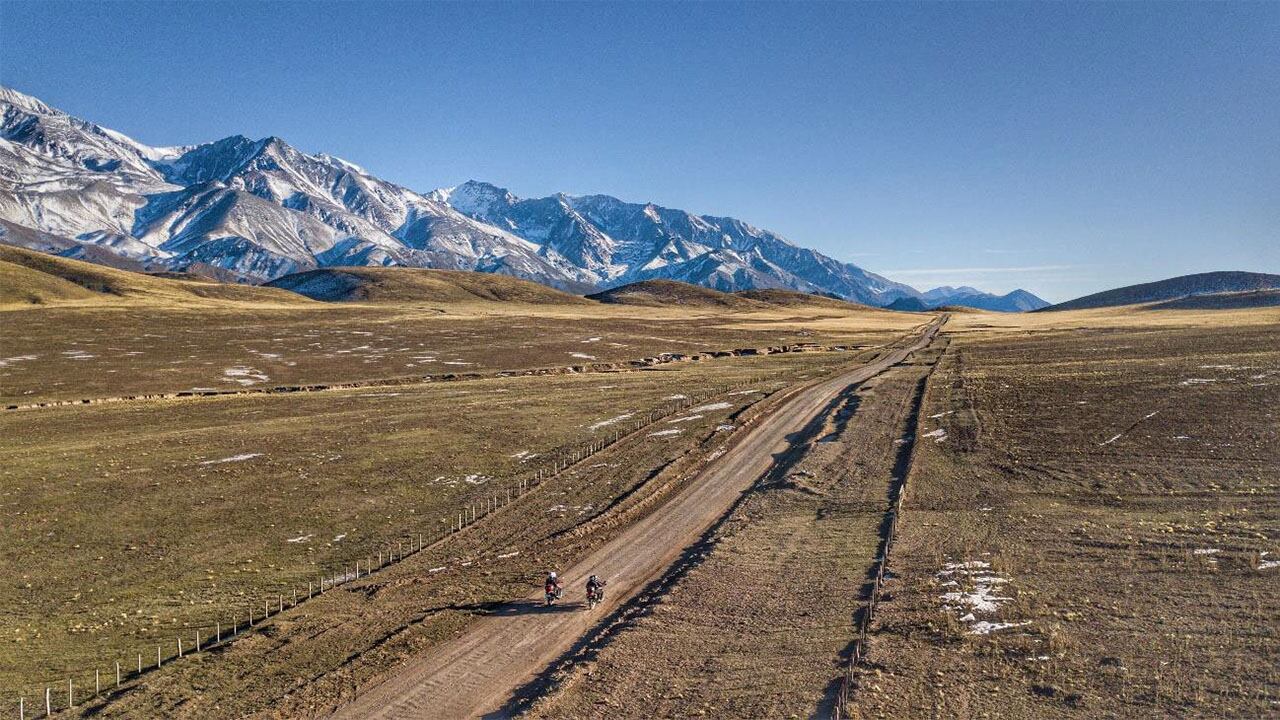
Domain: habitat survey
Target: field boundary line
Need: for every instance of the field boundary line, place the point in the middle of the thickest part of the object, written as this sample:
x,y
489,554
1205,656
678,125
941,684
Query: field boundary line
x,y
897,495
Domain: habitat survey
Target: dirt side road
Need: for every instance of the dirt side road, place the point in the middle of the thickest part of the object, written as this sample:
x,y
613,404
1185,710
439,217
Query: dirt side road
x,y
477,672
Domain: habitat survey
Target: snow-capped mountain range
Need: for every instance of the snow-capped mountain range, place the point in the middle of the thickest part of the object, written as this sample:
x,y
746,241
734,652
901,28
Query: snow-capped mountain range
x,y
262,209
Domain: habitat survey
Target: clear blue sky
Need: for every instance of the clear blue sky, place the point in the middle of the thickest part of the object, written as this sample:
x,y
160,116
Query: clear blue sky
x,y
1062,148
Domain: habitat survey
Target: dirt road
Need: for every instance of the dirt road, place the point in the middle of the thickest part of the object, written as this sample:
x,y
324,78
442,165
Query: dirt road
x,y
476,673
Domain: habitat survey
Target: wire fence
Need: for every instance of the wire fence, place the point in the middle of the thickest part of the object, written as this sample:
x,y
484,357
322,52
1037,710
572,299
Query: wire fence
x,y
867,611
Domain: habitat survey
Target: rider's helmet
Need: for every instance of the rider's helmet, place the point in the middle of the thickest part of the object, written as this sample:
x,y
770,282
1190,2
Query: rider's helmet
x,y
553,574
592,579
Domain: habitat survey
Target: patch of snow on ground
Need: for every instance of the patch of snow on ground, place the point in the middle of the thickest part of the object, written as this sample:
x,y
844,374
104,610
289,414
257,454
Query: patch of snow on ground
x,y
687,418
712,406
1206,551
1197,381
977,592
725,428
610,421
5,362
676,397
941,414
77,355
339,537
938,435
504,556
233,458
524,455
476,479
301,538
592,339
982,627
244,375
1264,563
745,392
664,433
584,356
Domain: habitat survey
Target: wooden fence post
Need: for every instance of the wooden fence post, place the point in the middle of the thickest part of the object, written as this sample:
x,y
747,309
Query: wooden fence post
x,y
218,631
139,663
48,706
71,700
117,674
179,647
157,656
97,683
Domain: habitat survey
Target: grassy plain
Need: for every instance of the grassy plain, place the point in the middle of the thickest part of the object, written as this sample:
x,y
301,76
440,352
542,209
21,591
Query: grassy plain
x,y
1104,487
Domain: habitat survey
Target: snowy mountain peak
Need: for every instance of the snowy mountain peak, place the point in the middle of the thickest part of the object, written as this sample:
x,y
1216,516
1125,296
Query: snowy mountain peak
x,y
26,102
477,198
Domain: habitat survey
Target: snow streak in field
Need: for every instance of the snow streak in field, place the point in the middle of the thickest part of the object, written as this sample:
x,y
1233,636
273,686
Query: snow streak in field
x,y
712,406
5,362
244,375
233,458
610,421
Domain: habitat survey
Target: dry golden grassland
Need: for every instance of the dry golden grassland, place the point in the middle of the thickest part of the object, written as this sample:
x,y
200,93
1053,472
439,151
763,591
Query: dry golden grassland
x,y
76,353
1090,523
126,521
127,524
309,660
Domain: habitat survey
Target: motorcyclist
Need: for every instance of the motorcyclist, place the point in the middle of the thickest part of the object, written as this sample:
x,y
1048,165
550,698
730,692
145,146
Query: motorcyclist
x,y
552,585
595,588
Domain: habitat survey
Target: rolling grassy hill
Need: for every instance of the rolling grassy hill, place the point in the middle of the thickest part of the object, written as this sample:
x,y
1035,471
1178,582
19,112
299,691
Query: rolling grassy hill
x,y
671,292
792,298
33,278
407,285
1173,288
1222,301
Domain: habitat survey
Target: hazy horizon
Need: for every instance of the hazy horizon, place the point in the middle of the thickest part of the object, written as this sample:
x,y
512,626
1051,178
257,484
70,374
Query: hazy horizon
x,y
910,140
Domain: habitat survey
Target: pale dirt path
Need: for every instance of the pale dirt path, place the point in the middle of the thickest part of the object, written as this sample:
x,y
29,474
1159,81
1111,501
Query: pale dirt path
x,y
477,672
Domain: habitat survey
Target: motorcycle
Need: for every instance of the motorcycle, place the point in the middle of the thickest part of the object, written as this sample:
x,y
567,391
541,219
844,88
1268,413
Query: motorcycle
x,y
554,595
595,596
